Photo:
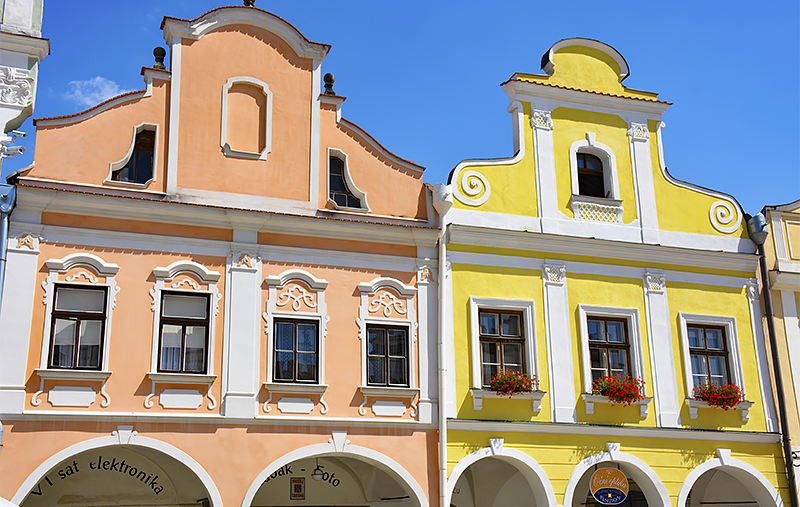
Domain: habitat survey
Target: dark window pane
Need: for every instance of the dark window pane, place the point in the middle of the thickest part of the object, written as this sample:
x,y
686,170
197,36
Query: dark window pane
x,y
714,339
340,199
89,344
195,339
337,184
489,353
64,343
376,344
591,185
397,371
376,371
284,365
695,336
306,366
512,354
596,330
284,336
307,337
489,371
616,332
397,342
489,324
336,165
510,324
598,358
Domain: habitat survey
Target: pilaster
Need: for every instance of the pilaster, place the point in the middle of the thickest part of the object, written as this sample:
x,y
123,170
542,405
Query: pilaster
x,y
559,343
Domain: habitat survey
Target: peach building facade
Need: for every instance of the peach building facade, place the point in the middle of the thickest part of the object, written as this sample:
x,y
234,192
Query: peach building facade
x,y
220,292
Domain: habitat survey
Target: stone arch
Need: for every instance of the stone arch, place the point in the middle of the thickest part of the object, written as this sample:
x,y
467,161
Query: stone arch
x,y
120,437
652,487
530,469
764,493
338,446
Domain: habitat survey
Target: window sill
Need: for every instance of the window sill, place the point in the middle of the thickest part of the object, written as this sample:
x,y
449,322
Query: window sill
x,y
694,404
596,209
53,374
398,393
181,378
478,396
128,184
289,388
591,399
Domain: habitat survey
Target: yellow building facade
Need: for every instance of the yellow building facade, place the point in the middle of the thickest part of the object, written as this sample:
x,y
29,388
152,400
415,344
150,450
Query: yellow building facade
x,y
581,258
782,251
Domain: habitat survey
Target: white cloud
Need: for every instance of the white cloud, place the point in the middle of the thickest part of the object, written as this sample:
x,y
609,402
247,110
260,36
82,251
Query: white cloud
x,y
93,91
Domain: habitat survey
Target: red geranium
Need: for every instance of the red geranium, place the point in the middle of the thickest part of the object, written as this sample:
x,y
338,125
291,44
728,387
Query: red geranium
x,y
510,382
625,390
725,396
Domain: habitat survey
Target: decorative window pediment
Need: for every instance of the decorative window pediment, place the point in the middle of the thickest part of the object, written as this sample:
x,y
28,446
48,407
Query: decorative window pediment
x,y
246,118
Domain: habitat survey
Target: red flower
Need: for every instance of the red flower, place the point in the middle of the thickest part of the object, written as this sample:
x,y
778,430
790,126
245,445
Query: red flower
x,y
625,390
509,382
725,396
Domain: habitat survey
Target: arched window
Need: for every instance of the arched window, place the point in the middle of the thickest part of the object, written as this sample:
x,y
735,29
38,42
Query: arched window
x,y
590,176
339,192
136,168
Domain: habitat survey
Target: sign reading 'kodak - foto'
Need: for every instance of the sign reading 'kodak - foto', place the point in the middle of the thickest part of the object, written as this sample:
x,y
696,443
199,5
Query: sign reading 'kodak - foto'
x,y
609,486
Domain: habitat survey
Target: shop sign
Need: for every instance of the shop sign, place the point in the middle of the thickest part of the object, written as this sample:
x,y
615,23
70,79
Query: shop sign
x,y
609,486
298,491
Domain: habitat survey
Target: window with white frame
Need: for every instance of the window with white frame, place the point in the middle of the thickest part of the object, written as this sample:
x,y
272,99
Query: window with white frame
x,y
80,293
342,191
502,338
710,351
296,324
594,169
136,168
387,328
610,343
185,304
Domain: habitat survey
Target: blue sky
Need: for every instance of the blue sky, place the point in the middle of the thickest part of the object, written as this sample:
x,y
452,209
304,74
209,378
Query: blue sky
x,y
424,77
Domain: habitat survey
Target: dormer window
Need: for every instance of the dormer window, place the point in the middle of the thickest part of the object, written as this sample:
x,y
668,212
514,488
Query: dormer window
x,y
339,191
590,176
139,167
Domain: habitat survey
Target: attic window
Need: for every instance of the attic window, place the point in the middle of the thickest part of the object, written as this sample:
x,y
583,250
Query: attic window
x,y
139,166
339,192
590,176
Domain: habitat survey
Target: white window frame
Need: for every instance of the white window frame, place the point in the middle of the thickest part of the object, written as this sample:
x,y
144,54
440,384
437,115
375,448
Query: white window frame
x,y
281,306
351,186
732,341
113,166
267,128
477,304
187,286
90,277
606,155
631,317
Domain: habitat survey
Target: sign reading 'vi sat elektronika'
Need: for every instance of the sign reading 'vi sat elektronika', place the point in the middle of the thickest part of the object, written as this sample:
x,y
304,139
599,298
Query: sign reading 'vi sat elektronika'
x,y
100,464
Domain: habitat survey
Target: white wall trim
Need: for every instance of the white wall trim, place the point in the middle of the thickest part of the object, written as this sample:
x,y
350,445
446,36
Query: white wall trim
x,y
732,341
351,186
122,436
477,304
339,446
113,166
230,152
171,167
762,490
631,316
638,470
533,472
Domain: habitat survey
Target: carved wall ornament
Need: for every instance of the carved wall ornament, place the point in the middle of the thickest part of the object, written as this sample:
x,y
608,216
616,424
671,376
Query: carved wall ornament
x,y
425,275
393,302
596,212
89,278
555,273
472,184
638,131
724,217
186,281
15,87
753,290
541,119
302,295
26,241
246,260
655,282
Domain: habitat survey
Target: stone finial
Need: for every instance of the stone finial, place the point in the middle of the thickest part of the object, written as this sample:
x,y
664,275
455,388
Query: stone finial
x,y
159,53
249,3
329,79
